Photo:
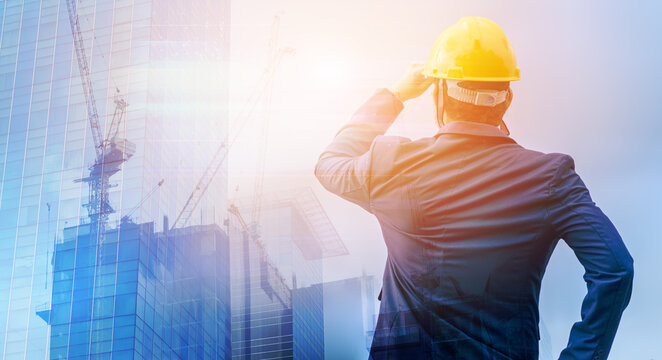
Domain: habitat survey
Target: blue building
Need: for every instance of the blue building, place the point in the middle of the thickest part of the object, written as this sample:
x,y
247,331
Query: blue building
x,y
262,322
349,317
140,294
277,292
161,64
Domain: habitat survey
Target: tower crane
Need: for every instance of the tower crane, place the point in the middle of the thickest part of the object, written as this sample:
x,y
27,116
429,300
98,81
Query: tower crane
x,y
111,151
274,57
127,217
270,280
263,89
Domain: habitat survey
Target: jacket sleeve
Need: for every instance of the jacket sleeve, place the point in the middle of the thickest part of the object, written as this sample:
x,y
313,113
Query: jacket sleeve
x,y
607,263
344,166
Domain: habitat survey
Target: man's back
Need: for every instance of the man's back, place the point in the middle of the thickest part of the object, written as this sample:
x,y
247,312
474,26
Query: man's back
x,y
464,217
470,220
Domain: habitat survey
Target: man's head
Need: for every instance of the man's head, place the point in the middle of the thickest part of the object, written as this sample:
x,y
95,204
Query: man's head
x,y
493,99
474,62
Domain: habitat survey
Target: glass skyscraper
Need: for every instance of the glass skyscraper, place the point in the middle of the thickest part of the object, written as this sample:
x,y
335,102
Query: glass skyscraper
x,y
262,323
277,292
64,257
350,314
141,294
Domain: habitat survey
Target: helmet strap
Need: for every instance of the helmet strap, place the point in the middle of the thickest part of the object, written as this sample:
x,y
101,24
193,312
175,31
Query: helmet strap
x,y
488,98
444,88
439,105
503,127
502,124
439,101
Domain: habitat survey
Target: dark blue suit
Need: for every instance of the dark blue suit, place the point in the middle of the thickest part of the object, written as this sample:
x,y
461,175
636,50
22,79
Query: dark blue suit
x,y
470,220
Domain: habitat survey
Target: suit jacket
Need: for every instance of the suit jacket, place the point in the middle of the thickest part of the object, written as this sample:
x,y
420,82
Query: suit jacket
x,y
470,219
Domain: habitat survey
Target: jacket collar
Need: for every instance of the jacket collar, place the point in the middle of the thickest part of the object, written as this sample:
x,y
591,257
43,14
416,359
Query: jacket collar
x,y
472,128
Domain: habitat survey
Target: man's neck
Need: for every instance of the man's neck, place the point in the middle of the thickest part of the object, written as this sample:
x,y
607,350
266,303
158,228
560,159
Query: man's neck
x,y
448,119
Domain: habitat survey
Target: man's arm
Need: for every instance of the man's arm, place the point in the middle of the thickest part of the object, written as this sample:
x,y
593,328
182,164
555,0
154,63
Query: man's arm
x,y
344,167
607,263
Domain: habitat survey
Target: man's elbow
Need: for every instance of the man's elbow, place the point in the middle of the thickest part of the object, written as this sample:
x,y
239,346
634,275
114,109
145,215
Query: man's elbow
x,y
625,279
628,271
615,272
626,266
336,174
618,263
319,170
322,173
620,271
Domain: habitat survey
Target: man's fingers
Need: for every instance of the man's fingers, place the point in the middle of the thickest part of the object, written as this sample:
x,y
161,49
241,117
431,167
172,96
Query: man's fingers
x,y
416,72
416,69
413,83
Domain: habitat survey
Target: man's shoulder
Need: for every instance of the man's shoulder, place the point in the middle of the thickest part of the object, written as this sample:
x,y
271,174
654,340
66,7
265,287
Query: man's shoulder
x,y
392,147
517,160
400,143
390,140
559,161
552,160
389,153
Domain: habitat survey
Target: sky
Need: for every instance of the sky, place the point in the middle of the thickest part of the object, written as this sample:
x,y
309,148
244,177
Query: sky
x,y
590,88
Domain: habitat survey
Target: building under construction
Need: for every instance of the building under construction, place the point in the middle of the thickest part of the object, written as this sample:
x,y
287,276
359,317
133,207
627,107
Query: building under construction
x,y
277,299
142,294
110,113
113,119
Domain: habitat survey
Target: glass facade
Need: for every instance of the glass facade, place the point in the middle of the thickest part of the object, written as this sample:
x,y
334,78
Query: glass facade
x,y
349,317
98,259
262,323
291,244
106,282
277,291
308,322
140,294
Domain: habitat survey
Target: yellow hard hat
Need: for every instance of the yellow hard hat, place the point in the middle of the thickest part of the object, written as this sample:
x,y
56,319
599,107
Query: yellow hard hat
x,y
474,49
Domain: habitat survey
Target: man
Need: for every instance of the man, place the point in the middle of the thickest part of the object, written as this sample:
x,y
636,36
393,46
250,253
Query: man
x,y
469,217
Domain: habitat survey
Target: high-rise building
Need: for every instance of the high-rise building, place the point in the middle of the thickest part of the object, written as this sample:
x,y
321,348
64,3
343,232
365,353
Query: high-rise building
x,y
349,317
160,69
140,294
277,293
262,324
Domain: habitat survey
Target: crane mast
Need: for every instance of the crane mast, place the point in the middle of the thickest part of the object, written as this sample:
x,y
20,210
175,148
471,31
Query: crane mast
x,y
274,57
271,281
111,152
90,101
